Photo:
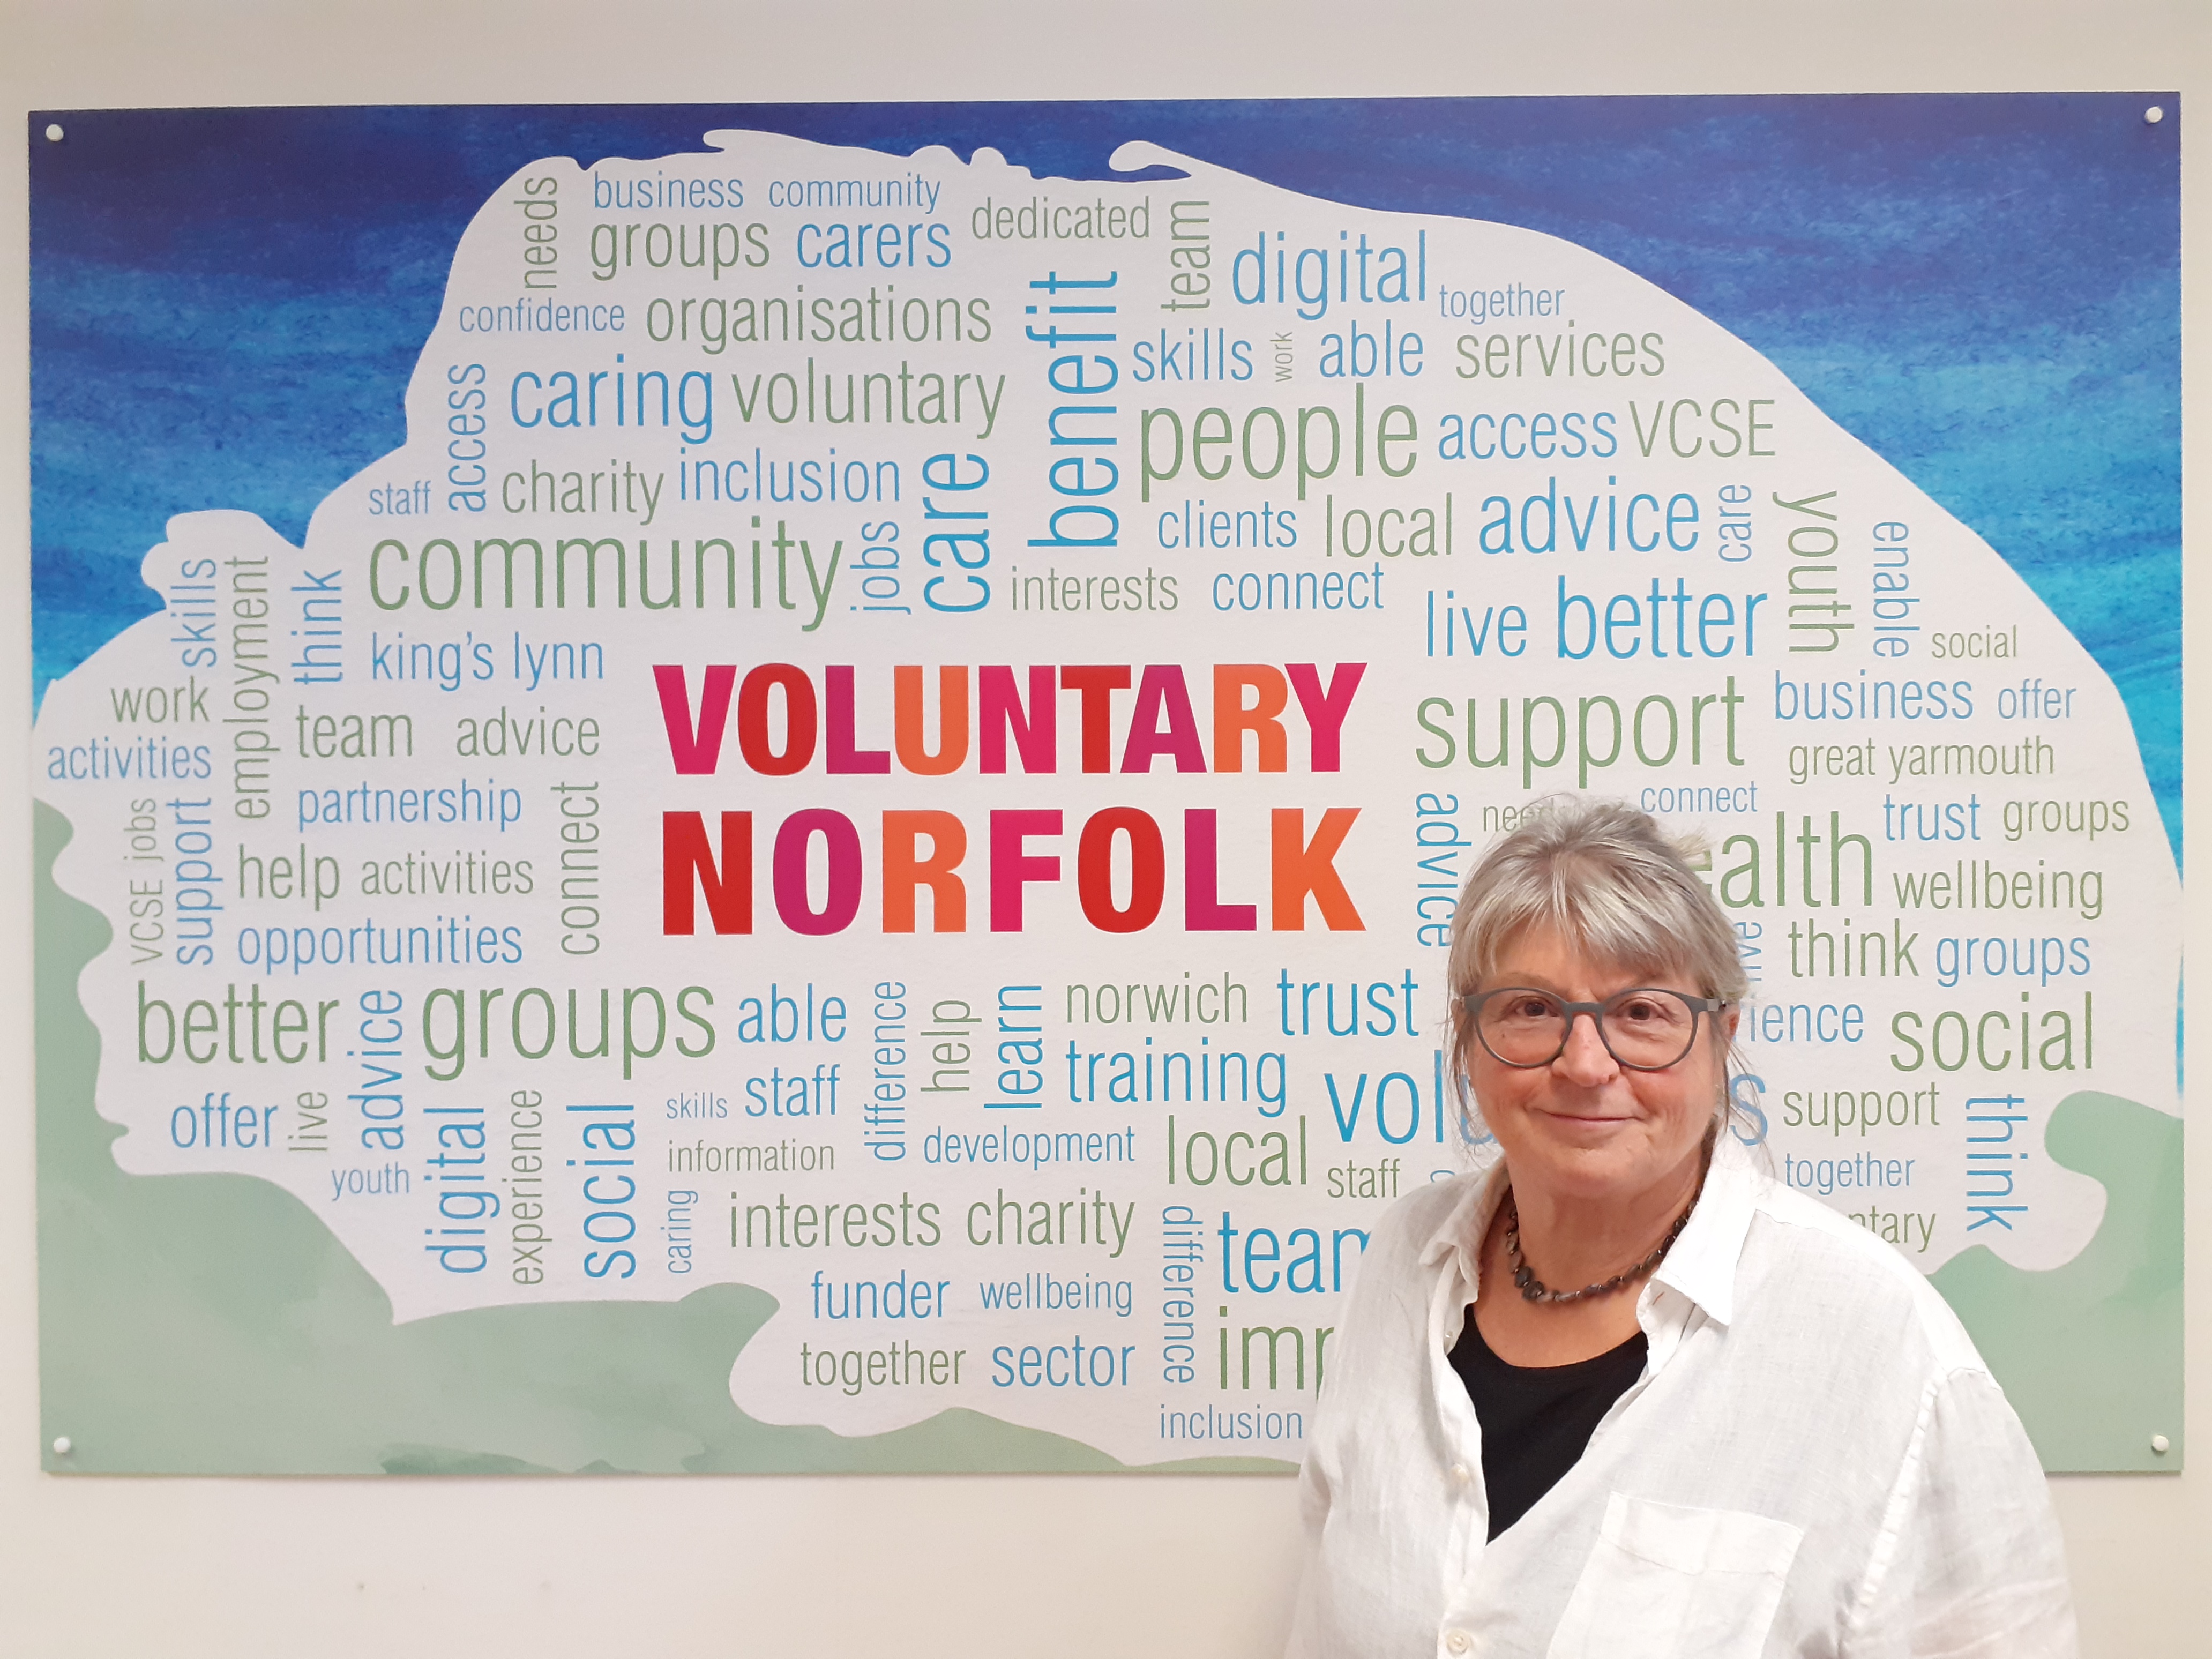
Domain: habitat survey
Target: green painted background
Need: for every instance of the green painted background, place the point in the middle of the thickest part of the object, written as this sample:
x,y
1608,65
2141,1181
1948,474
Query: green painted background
x,y
210,1324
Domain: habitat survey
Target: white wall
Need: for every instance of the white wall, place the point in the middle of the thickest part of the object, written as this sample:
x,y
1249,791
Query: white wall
x,y
951,1565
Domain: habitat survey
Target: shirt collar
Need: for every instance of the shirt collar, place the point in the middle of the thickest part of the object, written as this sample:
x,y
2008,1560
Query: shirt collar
x,y
1701,1266
1458,1237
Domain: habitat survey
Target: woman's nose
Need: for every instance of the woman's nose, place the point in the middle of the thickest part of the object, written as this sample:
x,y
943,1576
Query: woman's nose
x,y
1586,1059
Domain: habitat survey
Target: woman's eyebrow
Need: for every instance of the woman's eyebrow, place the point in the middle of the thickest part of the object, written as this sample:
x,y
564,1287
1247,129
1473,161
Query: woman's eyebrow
x,y
1633,979
1515,981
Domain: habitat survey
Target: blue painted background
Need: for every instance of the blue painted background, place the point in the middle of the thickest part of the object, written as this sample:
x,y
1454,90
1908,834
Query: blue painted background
x,y
226,305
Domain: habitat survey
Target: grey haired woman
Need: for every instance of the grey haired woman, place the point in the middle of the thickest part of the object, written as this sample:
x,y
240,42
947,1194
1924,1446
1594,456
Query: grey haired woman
x,y
1623,1394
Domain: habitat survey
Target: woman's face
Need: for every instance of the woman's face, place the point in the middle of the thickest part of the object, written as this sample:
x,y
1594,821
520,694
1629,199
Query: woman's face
x,y
1583,1126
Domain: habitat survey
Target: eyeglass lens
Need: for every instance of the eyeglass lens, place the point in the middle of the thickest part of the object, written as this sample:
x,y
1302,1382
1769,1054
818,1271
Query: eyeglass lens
x,y
1646,1028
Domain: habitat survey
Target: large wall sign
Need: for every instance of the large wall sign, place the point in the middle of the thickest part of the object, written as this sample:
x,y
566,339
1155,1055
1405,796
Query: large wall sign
x,y
838,855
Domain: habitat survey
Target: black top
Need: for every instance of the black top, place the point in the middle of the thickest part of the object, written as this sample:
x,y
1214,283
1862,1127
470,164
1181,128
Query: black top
x,y
1536,1419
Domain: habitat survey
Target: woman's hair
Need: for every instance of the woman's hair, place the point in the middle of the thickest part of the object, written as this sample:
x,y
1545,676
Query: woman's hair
x,y
1606,878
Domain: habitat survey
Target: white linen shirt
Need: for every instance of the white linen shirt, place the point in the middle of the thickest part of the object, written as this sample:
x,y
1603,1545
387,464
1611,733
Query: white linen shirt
x,y
1815,1463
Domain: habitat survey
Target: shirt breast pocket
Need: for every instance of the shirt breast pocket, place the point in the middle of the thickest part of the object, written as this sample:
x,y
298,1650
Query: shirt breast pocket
x,y
1668,1582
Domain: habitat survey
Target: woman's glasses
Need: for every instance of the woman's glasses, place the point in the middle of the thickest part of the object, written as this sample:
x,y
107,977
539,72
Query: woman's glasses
x,y
1646,1030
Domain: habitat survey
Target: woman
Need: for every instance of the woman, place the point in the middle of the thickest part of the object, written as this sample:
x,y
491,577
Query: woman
x,y
1625,1394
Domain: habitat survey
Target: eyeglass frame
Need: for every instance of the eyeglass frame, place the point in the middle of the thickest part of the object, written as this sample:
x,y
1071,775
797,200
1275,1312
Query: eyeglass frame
x,y
1472,1001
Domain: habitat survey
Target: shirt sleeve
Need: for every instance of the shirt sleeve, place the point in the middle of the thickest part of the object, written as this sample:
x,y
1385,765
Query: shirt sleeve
x,y
1968,1563
1368,1408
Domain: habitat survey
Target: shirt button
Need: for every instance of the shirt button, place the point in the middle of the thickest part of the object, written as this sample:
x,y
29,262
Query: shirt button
x,y
1459,1641
1459,1473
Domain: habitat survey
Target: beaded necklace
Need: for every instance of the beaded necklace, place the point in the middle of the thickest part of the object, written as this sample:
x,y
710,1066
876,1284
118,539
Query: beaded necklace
x,y
1533,1289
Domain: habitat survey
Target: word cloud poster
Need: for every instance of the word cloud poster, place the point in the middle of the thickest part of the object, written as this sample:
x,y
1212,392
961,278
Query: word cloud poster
x,y
780,788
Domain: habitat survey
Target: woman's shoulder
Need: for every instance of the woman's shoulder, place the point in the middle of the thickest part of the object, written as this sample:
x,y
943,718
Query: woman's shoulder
x,y
1803,1249
1404,1246
1414,1220
1406,1252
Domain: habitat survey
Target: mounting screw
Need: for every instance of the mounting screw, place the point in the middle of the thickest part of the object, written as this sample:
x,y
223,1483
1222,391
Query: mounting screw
x,y
2152,117
53,132
62,1445
2161,1444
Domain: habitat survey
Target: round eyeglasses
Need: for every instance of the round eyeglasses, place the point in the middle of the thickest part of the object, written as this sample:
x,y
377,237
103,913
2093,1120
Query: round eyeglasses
x,y
1645,1029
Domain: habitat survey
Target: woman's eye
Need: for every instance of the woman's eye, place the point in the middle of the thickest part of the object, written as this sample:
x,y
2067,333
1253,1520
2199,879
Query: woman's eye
x,y
1638,1011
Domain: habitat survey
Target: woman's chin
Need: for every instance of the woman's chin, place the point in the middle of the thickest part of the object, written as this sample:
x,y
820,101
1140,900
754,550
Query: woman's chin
x,y
1588,1157
1593,1133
